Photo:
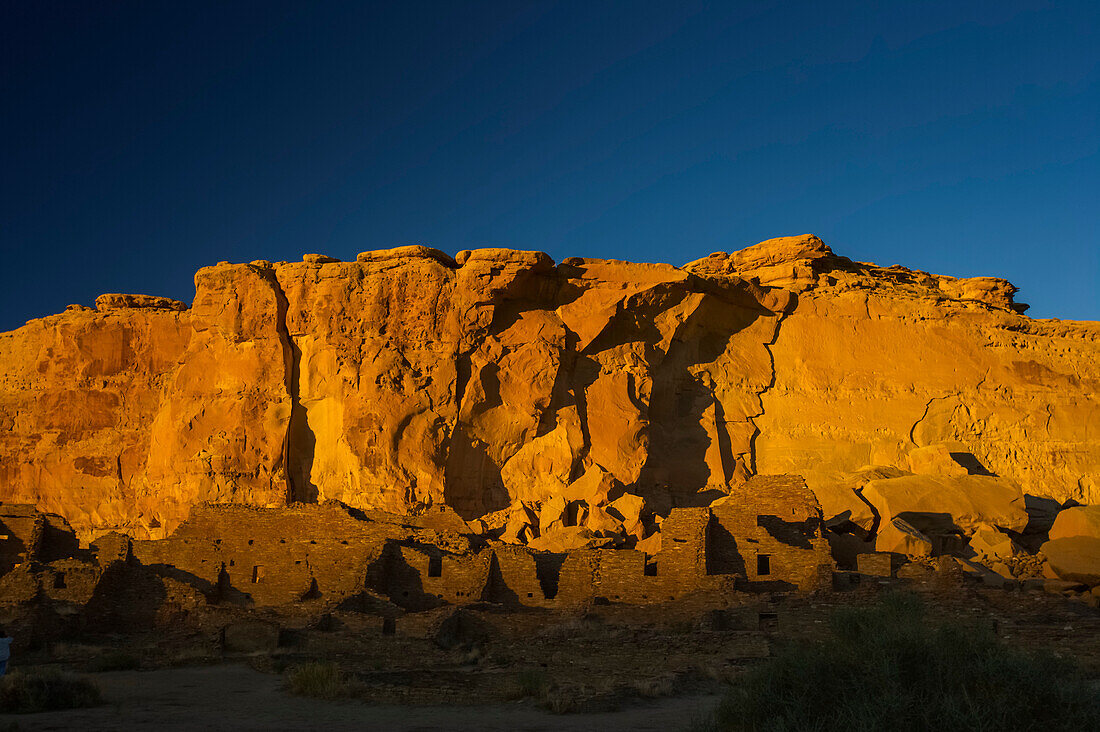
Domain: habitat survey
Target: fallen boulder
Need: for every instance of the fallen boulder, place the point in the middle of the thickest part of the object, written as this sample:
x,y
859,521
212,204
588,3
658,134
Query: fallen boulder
x,y
840,496
567,539
941,504
992,543
938,459
1077,521
1075,558
899,537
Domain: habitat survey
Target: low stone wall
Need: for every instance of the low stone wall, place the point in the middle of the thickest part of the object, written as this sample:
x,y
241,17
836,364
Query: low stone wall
x,y
766,537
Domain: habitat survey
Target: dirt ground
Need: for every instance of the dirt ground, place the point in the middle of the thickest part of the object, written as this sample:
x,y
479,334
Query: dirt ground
x,y
611,667
236,697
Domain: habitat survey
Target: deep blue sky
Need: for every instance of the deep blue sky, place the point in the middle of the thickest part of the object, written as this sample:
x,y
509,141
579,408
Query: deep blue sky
x,y
142,140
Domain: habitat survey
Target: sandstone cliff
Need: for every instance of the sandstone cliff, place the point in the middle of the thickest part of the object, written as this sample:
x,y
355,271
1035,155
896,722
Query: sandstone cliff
x,y
497,380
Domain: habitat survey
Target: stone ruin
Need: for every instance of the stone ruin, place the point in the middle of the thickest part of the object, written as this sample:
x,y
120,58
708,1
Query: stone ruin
x,y
410,430
771,540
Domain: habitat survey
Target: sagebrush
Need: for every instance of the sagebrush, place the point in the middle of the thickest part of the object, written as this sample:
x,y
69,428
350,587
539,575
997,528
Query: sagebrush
x,y
888,667
24,692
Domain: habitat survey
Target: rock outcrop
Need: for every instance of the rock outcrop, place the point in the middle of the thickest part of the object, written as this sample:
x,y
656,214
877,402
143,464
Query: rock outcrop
x,y
497,380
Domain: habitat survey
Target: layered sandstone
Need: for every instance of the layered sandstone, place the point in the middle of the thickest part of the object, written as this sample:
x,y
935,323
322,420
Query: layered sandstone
x,y
498,380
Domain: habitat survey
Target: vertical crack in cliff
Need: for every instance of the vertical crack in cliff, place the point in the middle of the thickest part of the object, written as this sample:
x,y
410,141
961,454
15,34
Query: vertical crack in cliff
x,y
299,441
780,317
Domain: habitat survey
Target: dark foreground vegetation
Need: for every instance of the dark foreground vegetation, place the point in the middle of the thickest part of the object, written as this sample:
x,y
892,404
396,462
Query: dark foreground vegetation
x,y
889,667
43,691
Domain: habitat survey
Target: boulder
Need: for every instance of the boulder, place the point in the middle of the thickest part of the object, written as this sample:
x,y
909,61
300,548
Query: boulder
x,y
992,543
1060,587
1041,514
1074,558
938,459
119,301
319,259
650,545
627,508
414,251
899,537
601,522
1076,521
552,515
840,497
939,504
568,538
593,487
521,525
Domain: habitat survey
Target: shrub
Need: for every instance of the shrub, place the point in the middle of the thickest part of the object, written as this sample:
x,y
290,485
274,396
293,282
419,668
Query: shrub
x,y
887,668
24,692
655,686
113,661
318,680
531,682
568,698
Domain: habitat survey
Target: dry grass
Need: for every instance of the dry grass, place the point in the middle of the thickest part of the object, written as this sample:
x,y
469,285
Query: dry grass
x,y
887,668
318,680
23,692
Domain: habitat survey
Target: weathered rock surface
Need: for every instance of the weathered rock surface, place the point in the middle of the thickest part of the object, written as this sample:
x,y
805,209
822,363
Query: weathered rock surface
x,y
496,379
1077,521
898,536
992,543
945,504
1075,558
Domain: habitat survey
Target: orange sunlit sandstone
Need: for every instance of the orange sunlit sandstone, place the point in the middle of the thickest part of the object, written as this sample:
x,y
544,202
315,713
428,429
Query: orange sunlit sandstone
x,y
572,404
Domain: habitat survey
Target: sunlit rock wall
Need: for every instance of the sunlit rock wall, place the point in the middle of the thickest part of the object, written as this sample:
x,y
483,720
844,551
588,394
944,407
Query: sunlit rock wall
x,y
409,379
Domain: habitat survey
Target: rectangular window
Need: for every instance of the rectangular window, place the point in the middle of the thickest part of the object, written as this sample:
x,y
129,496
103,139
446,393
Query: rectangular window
x,y
257,574
763,565
435,566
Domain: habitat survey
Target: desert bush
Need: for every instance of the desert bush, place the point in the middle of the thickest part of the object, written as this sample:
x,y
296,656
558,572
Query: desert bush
x,y
24,692
888,668
113,661
317,679
567,698
531,682
655,686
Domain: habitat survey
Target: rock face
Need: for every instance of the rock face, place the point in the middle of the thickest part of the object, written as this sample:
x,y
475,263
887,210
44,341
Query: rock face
x,y
497,380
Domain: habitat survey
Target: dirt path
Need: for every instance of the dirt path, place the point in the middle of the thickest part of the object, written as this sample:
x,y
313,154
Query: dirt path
x,y
239,698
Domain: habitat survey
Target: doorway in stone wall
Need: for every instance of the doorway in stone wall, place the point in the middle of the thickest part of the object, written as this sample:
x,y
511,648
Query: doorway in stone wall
x,y
548,570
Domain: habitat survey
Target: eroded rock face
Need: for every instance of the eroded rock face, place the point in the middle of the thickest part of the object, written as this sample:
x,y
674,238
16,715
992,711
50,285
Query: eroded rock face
x,y
498,379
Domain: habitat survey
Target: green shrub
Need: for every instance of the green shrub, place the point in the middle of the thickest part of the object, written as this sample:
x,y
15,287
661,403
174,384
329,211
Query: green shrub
x,y
318,680
113,661
24,692
887,668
